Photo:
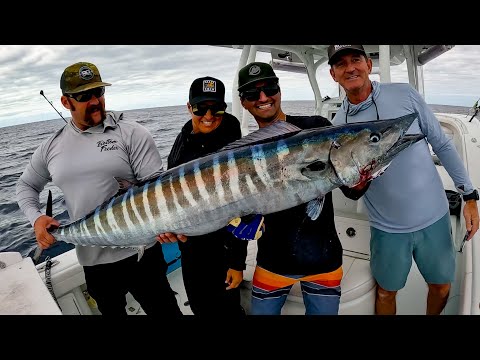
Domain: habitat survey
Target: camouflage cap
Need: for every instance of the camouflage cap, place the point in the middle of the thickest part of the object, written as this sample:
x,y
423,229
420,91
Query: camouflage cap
x,y
253,72
80,77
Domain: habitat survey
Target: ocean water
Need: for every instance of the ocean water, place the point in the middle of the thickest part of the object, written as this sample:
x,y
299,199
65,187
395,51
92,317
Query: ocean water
x,y
17,144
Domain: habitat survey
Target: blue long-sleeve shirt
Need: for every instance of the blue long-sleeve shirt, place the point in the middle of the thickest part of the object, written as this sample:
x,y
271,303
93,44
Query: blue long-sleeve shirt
x,y
410,195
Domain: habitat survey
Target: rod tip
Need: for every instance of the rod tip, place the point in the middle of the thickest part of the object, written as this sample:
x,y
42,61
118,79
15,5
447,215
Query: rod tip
x,y
41,92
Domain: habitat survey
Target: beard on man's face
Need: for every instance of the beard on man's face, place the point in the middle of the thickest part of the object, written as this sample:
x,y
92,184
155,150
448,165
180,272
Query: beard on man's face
x,y
88,114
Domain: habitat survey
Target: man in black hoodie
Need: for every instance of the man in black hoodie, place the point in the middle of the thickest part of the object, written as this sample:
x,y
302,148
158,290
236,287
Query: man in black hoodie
x,y
294,247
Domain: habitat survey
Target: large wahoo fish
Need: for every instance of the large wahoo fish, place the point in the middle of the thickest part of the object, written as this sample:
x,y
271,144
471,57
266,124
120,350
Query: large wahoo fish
x,y
271,169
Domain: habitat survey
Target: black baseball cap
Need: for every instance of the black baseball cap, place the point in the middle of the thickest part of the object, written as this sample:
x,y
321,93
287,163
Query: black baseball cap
x,y
254,72
206,88
81,76
334,50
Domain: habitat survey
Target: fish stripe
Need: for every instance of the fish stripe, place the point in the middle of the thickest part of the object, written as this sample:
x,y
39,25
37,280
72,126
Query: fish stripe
x,y
282,150
167,193
104,220
92,226
272,160
186,189
251,186
249,181
201,186
176,195
258,158
217,175
136,202
160,200
85,232
234,183
127,210
134,198
150,210
191,182
98,223
112,219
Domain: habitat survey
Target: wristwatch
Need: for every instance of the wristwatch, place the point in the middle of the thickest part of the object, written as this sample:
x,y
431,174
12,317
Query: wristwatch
x,y
472,196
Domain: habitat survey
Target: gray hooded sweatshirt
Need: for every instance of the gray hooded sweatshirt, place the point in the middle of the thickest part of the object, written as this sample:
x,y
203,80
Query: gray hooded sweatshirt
x,y
83,165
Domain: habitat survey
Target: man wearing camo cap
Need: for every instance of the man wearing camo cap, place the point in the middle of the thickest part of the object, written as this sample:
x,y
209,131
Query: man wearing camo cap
x,y
83,159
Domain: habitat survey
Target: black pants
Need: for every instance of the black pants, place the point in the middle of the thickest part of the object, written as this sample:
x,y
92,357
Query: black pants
x,y
204,270
146,280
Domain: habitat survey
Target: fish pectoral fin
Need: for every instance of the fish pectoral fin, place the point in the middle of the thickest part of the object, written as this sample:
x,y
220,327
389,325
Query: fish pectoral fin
x,y
314,207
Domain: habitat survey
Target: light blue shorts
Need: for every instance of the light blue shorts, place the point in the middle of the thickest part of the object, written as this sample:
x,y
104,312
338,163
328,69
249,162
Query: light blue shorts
x,y
431,248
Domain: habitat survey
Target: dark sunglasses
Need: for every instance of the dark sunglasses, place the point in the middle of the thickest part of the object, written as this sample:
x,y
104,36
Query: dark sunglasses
x,y
215,109
254,93
87,95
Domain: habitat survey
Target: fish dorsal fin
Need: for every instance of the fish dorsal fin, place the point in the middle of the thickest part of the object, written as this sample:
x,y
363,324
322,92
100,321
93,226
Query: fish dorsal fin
x,y
278,130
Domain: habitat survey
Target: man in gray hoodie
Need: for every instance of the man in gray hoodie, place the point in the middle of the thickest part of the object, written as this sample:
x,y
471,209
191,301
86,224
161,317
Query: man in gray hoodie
x,y
83,159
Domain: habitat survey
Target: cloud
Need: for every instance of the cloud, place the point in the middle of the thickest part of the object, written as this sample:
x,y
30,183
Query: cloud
x,y
145,76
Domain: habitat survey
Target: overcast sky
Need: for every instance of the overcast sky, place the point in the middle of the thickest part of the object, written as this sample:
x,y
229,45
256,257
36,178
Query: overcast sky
x,y
144,76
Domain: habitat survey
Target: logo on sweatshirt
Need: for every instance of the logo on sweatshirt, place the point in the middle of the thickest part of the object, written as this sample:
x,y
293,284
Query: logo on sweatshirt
x,y
107,145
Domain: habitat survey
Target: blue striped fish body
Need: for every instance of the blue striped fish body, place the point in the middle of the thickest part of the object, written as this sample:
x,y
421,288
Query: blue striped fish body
x,y
247,177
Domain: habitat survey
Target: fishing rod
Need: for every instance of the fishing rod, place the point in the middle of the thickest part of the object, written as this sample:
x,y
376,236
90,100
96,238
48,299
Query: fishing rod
x,y
41,93
38,250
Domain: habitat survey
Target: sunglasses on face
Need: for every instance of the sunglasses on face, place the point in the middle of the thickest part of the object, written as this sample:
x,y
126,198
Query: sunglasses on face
x,y
215,109
254,94
87,95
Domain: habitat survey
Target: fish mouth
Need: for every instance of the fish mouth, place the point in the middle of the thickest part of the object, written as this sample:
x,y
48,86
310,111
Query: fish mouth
x,y
369,170
402,143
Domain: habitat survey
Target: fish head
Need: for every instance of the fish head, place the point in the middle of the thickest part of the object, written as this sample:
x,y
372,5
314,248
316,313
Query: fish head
x,y
361,151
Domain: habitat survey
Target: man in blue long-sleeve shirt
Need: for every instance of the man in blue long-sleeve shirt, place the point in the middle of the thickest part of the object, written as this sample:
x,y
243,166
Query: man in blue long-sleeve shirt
x,y
400,226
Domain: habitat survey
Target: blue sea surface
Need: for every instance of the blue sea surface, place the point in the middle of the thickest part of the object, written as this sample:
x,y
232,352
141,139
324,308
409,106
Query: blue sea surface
x,y
17,144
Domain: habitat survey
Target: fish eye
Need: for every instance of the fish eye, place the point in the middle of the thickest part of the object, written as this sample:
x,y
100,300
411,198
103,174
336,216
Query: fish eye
x,y
375,137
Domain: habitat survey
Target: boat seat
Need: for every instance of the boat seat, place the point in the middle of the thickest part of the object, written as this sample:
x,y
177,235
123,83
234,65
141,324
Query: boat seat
x,y
357,281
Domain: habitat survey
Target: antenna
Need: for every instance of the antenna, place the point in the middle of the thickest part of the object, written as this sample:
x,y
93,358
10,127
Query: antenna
x,y
41,93
475,109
